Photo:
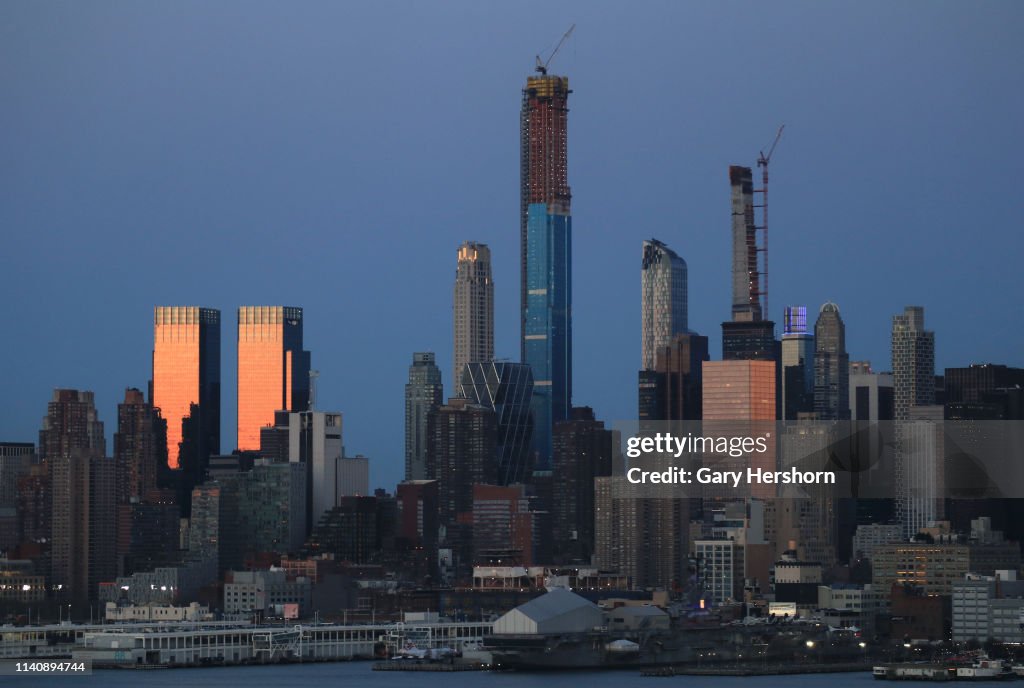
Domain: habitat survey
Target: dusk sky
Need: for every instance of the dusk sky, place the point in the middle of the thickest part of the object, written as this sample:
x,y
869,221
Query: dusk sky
x,y
334,155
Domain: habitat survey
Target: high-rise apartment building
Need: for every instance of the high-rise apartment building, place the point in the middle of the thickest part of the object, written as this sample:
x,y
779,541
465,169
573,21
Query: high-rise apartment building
x,y
546,254
746,275
913,372
582,451
186,374
461,452
505,388
140,446
82,539
797,364
913,362
423,394
831,366
273,368
473,308
663,309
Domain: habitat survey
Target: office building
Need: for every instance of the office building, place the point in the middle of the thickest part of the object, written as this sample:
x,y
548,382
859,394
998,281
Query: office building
x,y
353,476
870,537
871,393
663,309
507,389
423,394
546,255
797,364
738,390
831,366
473,309
273,369
672,390
314,439
186,374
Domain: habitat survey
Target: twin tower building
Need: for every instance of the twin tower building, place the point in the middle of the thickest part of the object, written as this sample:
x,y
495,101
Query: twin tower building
x,y
273,375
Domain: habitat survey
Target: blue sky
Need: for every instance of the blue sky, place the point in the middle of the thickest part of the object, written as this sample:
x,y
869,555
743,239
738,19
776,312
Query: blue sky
x,y
334,155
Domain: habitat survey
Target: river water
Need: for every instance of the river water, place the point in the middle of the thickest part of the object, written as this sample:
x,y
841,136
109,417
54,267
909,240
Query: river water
x,y
358,674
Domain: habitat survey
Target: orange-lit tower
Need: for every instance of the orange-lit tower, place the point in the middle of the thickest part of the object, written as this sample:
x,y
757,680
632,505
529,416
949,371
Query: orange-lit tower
x,y
273,370
186,375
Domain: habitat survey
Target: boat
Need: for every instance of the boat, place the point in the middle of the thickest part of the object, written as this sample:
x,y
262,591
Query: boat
x,y
984,669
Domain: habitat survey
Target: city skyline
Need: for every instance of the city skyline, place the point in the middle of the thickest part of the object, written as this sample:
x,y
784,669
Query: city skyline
x,y
897,232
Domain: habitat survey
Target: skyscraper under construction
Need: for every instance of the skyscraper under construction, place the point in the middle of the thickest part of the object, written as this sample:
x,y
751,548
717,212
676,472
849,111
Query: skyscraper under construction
x,y
546,254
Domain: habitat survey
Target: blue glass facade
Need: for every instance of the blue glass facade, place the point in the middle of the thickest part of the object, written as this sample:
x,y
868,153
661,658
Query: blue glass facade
x,y
547,338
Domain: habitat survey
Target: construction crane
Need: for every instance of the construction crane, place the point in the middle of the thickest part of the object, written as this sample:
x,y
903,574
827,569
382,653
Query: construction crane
x,y
762,162
542,65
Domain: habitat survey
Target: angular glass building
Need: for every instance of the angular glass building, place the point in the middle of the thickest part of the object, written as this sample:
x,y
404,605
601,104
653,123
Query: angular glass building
x,y
505,388
547,336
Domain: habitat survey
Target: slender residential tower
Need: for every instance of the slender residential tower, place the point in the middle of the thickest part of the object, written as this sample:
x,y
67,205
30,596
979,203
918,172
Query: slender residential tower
x,y
663,300
273,369
546,244
473,309
186,375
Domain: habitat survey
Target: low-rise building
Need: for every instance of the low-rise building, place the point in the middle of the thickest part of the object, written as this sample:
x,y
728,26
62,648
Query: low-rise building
x,y
266,592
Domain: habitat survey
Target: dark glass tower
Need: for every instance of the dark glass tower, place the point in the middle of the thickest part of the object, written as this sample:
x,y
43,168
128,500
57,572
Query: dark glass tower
x,y
547,341
505,388
423,394
831,366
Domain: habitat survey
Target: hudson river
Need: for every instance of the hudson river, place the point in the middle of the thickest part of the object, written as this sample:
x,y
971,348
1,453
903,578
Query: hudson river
x,y
359,674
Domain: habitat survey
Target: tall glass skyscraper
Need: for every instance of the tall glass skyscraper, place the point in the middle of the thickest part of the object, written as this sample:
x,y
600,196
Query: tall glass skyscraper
x,y
831,366
547,340
546,250
423,394
472,308
273,369
186,373
797,364
663,298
